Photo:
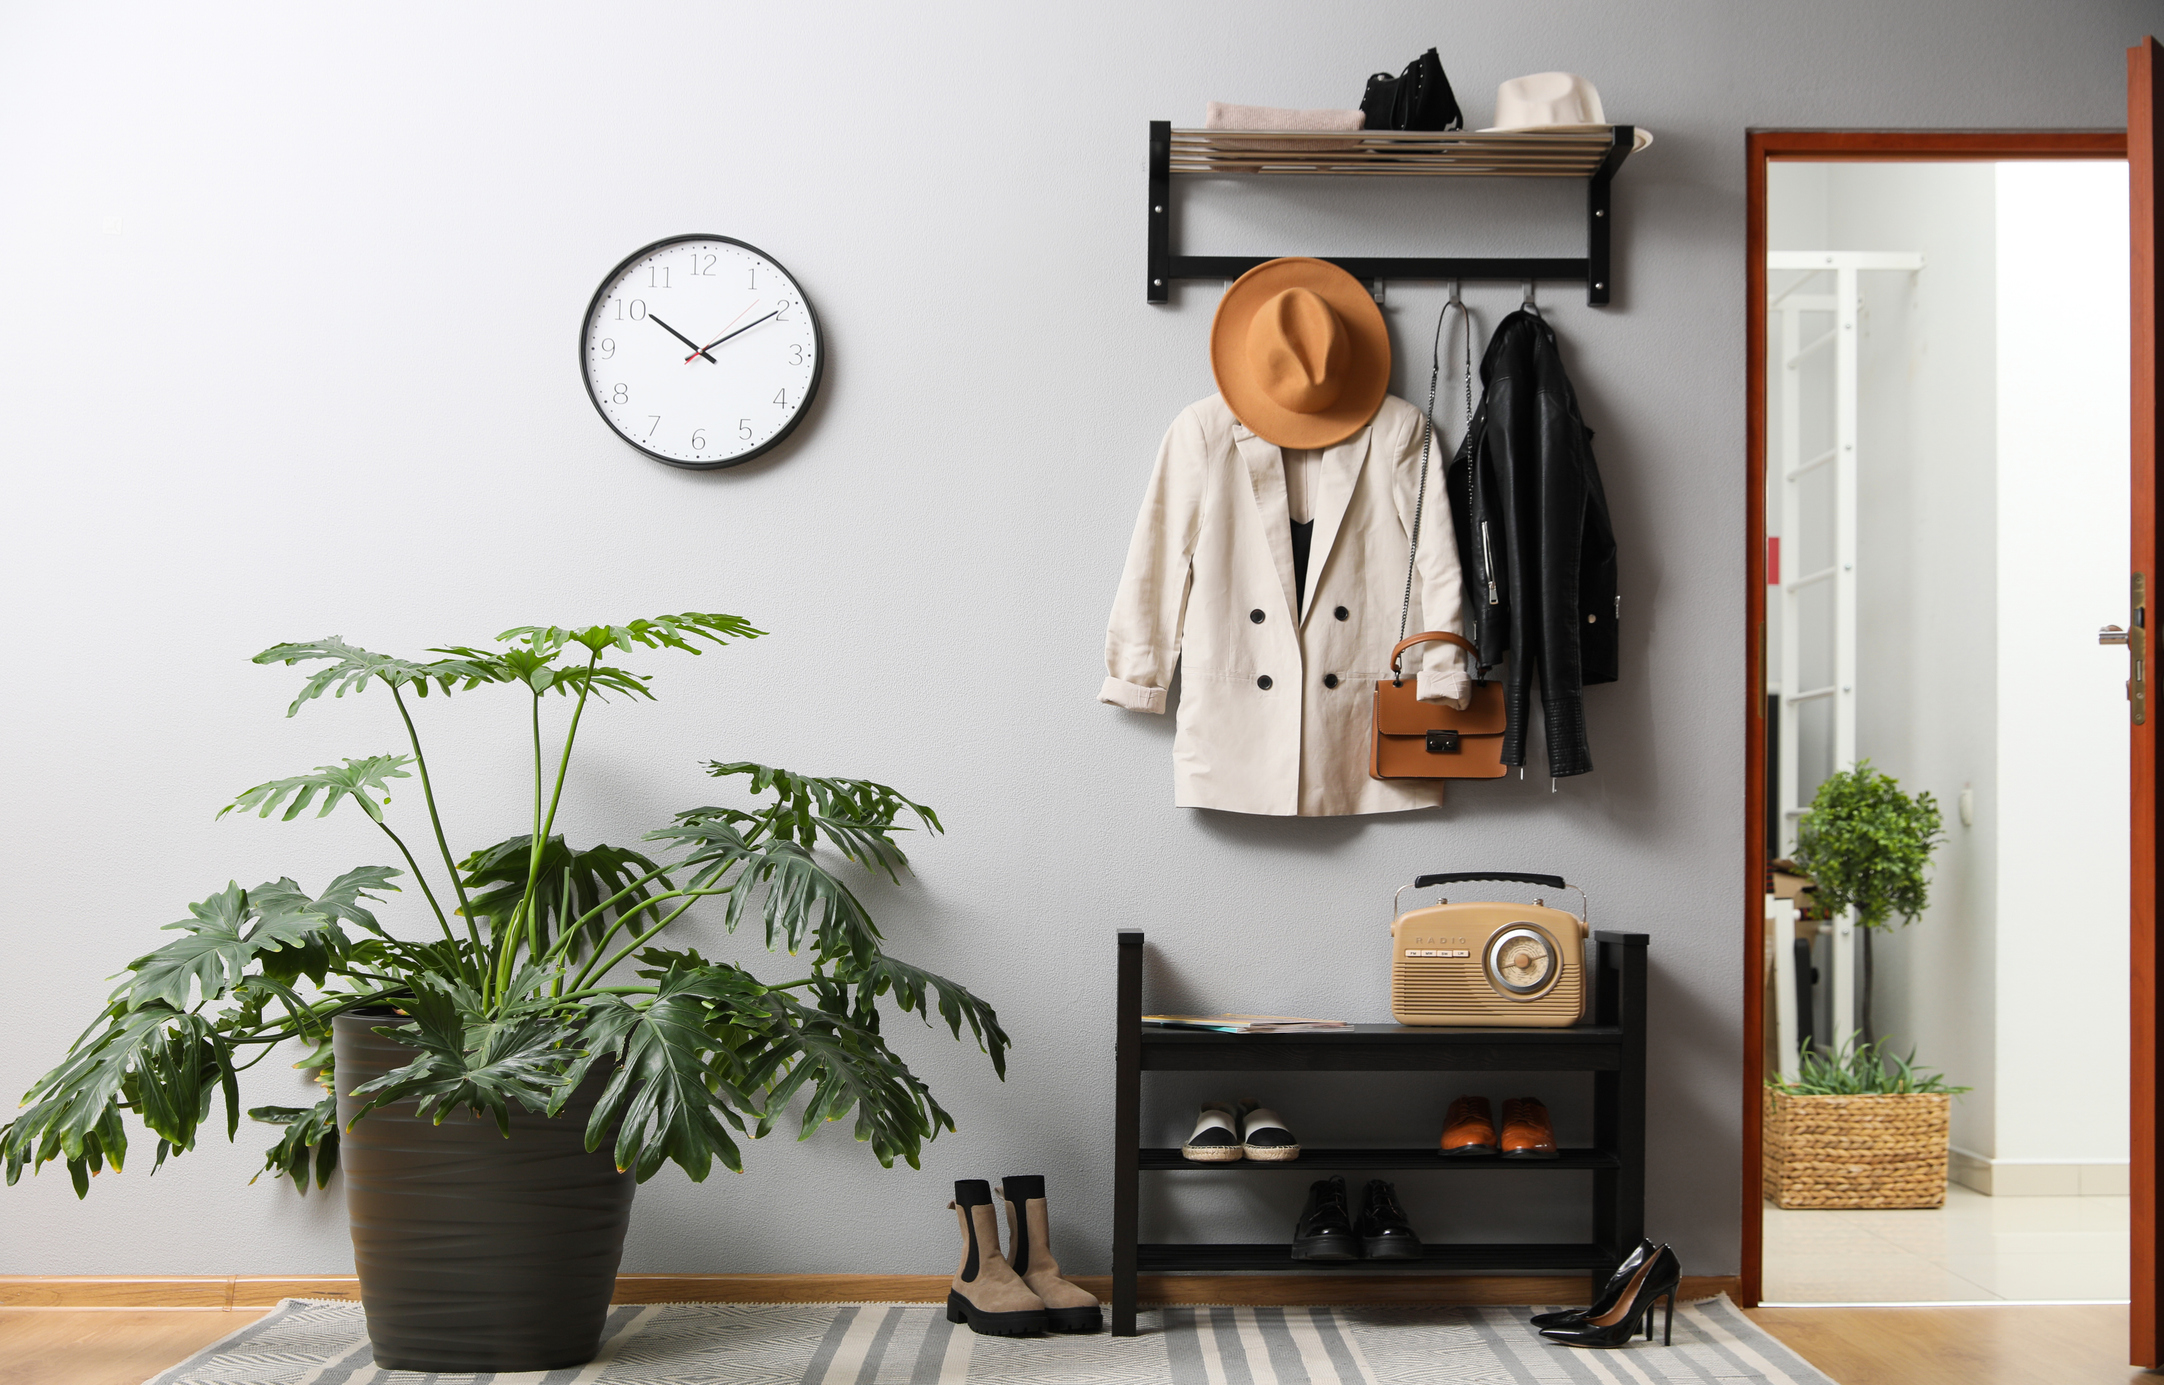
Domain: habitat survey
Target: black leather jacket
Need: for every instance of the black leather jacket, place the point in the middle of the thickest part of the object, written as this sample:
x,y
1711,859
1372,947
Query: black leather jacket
x,y
1534,541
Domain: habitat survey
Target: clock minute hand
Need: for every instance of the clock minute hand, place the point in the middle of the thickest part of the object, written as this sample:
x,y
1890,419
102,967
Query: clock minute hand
x,y
696,350
719,340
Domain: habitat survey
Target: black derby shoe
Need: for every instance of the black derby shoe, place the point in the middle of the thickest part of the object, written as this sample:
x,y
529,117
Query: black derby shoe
x,y
1325,1228
1384,1232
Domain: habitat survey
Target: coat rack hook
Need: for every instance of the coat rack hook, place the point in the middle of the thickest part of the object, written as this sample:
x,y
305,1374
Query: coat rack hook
x,y
1528,304
1457,290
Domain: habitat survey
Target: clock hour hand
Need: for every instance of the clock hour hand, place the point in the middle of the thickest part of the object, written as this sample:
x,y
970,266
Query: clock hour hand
x,y
719,340
696,350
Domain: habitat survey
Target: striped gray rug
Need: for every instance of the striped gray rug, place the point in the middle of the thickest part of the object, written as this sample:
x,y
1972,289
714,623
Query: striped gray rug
x,y
303,1342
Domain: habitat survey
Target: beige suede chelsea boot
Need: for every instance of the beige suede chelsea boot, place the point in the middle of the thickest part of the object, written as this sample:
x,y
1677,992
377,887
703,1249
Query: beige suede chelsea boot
x,y
1068,1306
986,1292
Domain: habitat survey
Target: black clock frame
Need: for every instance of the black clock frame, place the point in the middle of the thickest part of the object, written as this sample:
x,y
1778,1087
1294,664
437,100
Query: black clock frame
x,y
811,391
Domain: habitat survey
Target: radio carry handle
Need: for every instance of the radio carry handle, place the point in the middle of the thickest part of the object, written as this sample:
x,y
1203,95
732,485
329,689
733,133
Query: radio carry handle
x,y
1553,882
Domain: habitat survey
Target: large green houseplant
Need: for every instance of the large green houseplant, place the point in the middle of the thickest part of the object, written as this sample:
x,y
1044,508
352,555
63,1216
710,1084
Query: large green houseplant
x,y
529,986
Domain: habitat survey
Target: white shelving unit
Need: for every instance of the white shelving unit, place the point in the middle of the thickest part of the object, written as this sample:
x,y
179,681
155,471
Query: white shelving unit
x,y
1786,308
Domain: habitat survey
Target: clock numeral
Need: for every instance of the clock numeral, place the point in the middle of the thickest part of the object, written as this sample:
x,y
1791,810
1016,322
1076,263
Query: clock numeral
x,y
621,394
654,282
608,348
781,310
743,429
698,439
753,285
653,421
638,309
781,397
708,269
796,353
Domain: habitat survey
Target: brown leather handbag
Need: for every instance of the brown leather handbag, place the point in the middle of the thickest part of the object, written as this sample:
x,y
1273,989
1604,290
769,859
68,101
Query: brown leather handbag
x,y
1433,740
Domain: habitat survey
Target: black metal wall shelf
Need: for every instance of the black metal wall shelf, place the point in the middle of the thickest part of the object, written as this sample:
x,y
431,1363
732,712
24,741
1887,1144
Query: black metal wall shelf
x,y
1612,1048
1593,155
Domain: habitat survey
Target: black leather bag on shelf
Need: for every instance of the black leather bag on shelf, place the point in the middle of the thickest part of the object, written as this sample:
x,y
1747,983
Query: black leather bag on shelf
x,y
1419,98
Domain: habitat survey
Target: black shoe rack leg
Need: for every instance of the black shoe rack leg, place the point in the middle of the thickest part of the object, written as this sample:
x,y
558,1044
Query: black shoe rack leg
x,y
1127,1136
1619,1102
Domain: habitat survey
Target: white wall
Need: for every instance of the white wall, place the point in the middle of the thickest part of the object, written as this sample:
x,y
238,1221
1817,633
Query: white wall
x,y
1927,618
293,295
2062,800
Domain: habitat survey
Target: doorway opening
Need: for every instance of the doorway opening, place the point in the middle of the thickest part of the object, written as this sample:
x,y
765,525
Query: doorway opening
x,y
1940,432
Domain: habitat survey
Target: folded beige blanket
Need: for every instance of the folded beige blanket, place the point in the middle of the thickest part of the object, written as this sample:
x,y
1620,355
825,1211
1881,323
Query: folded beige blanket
x,y
1223,115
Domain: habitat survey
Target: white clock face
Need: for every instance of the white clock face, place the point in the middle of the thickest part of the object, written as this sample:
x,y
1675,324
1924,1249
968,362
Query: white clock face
x,y
701,351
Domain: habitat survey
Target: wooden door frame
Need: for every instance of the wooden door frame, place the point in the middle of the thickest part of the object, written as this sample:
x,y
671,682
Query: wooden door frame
x,y
1877,146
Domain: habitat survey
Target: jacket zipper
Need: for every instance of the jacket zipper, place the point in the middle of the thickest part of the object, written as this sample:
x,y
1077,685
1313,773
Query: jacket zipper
x,y
1487,562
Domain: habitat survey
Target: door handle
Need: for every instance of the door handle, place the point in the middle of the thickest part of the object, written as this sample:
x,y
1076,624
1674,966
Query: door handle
x,y
2135,639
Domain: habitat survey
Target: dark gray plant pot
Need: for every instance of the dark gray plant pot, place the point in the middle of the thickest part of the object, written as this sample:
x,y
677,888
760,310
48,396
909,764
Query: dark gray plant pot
x,y
475,1252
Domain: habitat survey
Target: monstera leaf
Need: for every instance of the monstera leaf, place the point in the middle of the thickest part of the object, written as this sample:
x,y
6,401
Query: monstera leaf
x,y
849,1068
854,816
311,1135
571,884
957,1006
275,922
666,1100
362,780
164,1065
803,901
472,1056
352,669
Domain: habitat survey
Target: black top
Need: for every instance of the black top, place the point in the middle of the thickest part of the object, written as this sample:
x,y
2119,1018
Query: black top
x,y
1303,537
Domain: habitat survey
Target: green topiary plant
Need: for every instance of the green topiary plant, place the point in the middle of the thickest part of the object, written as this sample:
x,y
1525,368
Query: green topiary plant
x,y
1866,846
520,997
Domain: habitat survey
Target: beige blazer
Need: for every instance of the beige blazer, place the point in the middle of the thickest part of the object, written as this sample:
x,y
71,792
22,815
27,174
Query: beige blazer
x,y
1276,703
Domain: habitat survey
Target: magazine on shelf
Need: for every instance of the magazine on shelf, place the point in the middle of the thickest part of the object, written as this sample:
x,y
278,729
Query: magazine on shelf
x,y
1242,1024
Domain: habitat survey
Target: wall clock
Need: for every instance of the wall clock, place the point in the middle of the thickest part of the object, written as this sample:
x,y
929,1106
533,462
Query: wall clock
x,y
701,351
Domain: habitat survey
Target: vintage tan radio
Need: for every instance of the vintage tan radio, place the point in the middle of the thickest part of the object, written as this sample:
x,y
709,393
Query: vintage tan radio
x,y
1487,965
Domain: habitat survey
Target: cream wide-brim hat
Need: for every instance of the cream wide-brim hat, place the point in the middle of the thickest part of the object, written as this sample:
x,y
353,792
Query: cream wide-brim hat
x,y
1562,102
1300,352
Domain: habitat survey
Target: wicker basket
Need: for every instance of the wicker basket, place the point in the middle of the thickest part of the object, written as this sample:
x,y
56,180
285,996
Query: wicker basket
x,y
1856,1151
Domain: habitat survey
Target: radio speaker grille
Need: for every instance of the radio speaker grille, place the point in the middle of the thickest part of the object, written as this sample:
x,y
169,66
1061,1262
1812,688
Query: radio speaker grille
x,y
1456,988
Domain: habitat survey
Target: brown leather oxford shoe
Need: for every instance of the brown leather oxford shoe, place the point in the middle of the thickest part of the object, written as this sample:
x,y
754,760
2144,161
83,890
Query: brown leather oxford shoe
x,y
1469,1127
1527,1131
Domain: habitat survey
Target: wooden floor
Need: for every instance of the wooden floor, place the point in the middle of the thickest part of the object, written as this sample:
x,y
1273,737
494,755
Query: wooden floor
x,y
2011,1345
106,1346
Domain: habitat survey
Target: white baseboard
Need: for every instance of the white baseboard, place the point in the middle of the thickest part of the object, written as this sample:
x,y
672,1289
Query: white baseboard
x,y
2030,1178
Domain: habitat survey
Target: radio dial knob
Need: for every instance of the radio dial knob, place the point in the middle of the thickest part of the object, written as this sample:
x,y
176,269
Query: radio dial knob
x,y
1521,960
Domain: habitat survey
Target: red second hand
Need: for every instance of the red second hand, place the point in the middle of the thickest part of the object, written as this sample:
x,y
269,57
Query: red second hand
x,y
725,327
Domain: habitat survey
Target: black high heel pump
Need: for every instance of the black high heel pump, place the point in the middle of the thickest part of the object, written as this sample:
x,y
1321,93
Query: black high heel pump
x,y
1610,1294
1656,1279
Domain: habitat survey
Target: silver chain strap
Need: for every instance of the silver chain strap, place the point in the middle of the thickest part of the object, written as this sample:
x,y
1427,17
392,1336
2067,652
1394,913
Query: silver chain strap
x,y
1427,441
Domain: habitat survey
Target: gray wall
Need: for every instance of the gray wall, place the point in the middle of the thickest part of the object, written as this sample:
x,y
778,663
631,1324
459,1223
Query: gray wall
x,y
293,295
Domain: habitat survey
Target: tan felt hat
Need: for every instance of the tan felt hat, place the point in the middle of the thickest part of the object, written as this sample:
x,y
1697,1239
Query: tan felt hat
x,y
1300,352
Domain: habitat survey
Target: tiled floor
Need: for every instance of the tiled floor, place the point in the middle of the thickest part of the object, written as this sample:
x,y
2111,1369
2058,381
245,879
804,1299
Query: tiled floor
x,y
1974,1249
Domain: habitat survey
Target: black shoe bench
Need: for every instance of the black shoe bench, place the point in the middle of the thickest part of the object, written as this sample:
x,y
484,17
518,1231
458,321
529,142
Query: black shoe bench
x,y
1611,1046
